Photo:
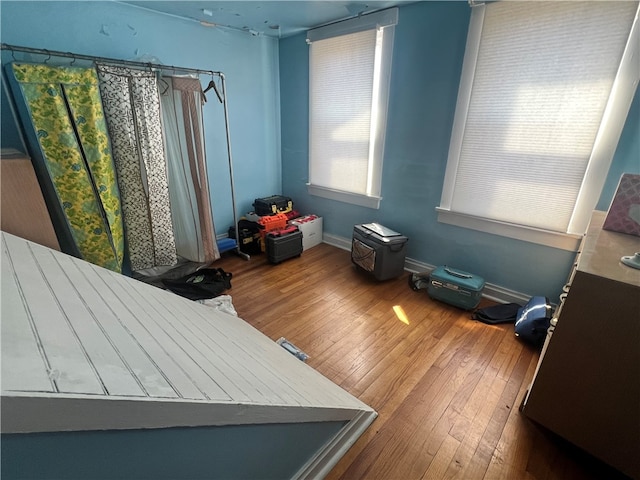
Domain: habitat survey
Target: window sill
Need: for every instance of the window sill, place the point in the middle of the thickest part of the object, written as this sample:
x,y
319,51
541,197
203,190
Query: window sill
x,y
346,197
562,241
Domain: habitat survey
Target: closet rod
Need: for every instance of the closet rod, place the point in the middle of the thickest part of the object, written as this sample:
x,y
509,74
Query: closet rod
x,y
132,63
94,58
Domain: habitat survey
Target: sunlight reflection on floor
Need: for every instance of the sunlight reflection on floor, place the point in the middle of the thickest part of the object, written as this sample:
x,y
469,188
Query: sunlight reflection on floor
x,y
402,316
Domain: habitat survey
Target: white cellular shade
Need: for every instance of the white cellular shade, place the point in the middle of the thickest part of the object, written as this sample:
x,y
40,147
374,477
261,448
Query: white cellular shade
x,y
542,80
341,89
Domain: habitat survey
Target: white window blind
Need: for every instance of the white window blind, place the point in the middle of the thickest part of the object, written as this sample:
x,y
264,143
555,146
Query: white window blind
x,y
349,66
341,93
537,110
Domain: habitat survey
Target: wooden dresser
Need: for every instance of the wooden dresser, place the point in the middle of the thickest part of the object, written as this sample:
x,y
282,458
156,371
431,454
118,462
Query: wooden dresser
x,y
587,384
23,209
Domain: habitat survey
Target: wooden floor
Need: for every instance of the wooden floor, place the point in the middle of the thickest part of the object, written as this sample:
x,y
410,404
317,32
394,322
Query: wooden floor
x,y
447,388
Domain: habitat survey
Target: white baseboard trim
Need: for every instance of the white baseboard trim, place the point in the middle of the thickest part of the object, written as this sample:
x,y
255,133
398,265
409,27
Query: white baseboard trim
x,y
491,291
336,241
326,458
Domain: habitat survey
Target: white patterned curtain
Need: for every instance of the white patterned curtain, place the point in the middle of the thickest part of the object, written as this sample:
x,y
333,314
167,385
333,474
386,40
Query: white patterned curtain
x,y
132,109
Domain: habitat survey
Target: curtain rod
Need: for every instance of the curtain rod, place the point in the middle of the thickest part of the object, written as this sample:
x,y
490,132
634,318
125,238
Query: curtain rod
x,y
130,63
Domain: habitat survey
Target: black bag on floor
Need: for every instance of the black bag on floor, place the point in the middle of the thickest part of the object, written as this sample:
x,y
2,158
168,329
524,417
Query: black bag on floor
x,y
200,285
506,313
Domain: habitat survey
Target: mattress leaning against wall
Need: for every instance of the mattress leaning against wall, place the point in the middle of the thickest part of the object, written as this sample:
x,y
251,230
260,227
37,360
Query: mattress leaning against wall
x,y
104,376
63,119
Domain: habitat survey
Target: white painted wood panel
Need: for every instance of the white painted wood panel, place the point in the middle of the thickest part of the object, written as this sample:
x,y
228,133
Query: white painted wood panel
x,y
87,348
75,413
253,375
29,370
98,348
210,353
134,317
140,364
311,386
70,370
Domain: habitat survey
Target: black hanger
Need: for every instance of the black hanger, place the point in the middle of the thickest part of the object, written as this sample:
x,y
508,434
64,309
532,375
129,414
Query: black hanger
x,y
211,85
165,85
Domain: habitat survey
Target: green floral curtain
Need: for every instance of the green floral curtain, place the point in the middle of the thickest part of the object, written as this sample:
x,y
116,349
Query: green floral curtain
x,y
66,114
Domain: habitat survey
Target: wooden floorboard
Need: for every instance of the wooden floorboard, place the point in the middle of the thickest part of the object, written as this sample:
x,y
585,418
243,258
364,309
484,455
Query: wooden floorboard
x,y
446,388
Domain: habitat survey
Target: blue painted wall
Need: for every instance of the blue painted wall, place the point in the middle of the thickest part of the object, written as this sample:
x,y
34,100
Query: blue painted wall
x,y
251,452
268,102
627,157
428,53
116,30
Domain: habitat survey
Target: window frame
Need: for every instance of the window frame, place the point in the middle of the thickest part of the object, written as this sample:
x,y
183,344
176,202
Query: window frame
x,y
614,119
384,19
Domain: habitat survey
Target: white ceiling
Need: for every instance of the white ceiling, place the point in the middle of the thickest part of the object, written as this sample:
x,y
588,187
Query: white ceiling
x,y
272,18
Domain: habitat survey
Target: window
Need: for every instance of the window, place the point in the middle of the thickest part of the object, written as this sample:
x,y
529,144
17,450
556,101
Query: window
x,y
349,70
544,94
